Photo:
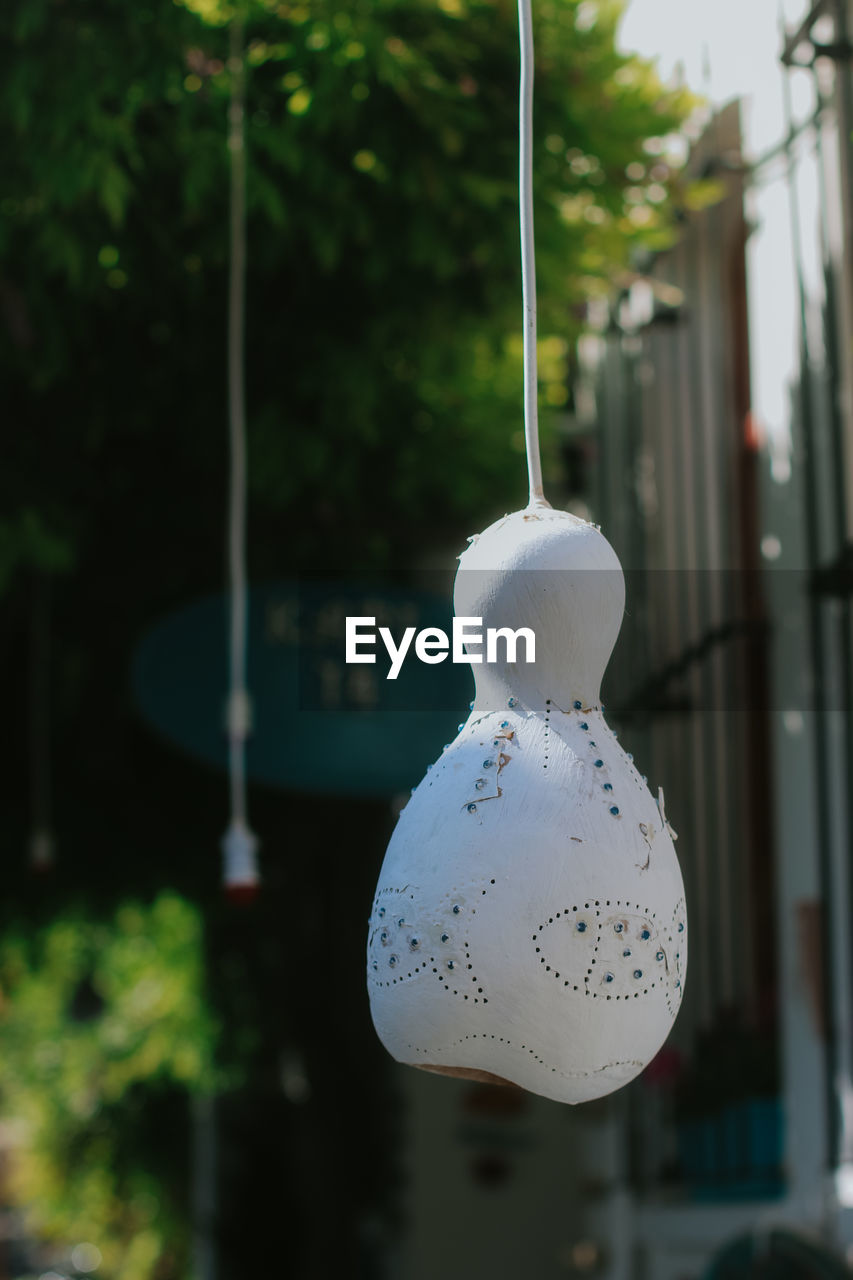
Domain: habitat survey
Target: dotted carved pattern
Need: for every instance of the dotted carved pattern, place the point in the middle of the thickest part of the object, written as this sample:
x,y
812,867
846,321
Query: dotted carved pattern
x,y
675,947
634,1064
590,752
405,943
607,949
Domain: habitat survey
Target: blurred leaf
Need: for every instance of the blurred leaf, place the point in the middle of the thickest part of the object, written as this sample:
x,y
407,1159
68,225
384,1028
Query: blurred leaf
x,y
78,1086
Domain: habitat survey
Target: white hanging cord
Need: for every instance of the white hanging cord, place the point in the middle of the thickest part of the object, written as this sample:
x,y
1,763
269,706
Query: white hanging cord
x,y
238,844
237,424
528,259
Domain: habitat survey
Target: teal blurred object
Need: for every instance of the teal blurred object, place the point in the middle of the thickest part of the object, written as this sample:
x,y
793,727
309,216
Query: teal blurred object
x,y
779,1254
735,1152
319,725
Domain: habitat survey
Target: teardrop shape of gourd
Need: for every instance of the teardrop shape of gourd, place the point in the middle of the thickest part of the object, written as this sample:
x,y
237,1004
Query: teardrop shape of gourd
x,y
529,922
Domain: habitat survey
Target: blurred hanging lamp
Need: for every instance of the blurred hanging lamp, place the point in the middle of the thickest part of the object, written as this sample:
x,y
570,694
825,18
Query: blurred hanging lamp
x,y
529,925
239,844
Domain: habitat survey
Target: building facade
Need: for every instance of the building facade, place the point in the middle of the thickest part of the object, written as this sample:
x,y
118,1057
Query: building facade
x,y
714,410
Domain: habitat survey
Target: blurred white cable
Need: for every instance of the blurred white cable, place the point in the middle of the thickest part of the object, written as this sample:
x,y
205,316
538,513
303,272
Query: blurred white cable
x,y
238,844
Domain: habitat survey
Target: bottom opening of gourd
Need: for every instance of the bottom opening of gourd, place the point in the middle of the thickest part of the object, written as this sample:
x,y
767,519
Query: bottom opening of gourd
x,y
466,1073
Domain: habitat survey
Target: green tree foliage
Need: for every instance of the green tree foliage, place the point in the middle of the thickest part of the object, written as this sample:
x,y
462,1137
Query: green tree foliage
x,y
99,1024
384,308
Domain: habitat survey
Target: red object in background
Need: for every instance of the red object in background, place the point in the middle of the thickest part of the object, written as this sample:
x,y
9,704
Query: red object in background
x,y
241,895
665,1068
753,436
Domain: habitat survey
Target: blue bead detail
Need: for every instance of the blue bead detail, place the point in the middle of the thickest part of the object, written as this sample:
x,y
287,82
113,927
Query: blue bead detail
x,y
678,982
659,956
581,926
381,912
455,910
460,727
626,952
681,928
614,809
630,757
488,764
414,943
504,724
584,724
472,808
445,937
638,973
512,702
480,784
619,927
375,964
470,706
608,786
392,961
599,764
645,934
577,705
383,937
608,977
451,964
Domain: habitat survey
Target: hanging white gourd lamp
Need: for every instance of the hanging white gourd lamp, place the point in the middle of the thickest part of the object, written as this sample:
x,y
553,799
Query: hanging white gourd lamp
x,y
239,845
529,924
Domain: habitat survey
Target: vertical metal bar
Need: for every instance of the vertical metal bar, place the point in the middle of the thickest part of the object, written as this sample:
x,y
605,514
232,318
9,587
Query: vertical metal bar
x,y
756,878
844,110
204,1187
716,505
637,584
704,430
603,416
817,641
835,373
692,822
41,840
729,743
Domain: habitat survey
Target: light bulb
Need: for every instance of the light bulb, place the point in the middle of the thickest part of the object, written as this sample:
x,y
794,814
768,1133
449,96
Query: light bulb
x,y
240,864
529,923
